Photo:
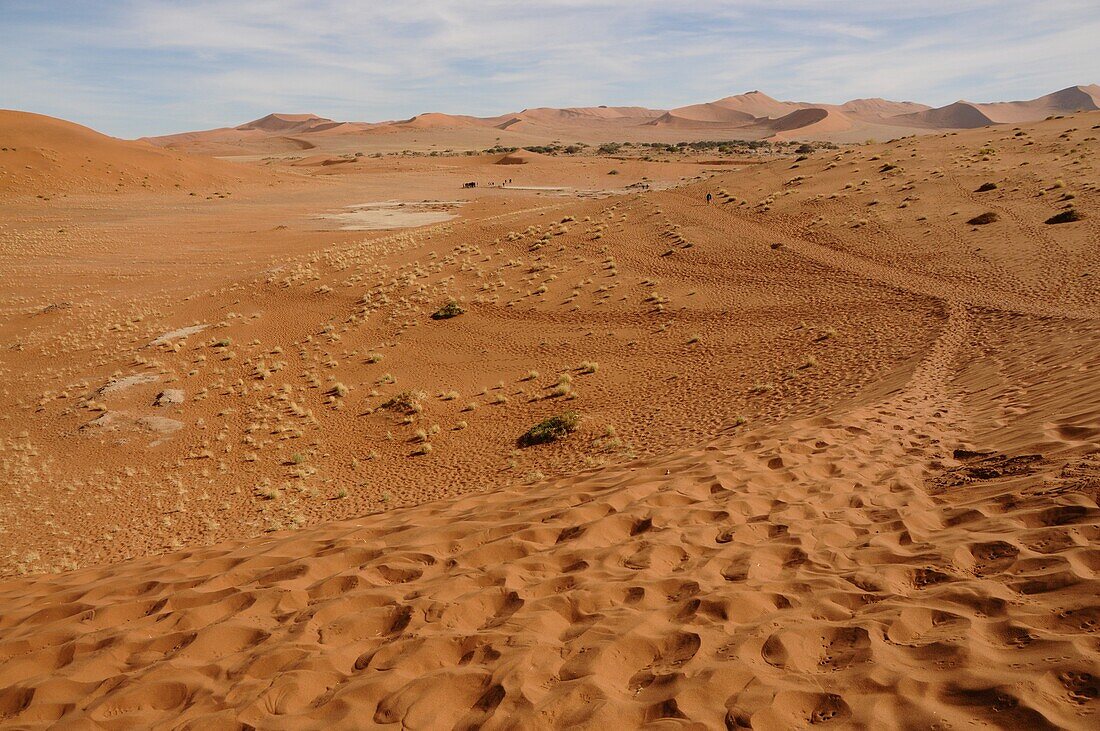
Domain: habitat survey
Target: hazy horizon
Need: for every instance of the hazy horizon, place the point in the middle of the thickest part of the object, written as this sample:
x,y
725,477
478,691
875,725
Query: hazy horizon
x,y
148,67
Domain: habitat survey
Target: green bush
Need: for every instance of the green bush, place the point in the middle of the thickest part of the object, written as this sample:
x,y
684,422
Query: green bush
x,y
447,311
550,430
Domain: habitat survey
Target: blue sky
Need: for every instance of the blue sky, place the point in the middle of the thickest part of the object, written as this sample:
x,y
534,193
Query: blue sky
x,y
143,67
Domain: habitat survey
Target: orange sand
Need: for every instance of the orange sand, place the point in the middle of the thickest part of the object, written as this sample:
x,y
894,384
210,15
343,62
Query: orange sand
x,y
836,462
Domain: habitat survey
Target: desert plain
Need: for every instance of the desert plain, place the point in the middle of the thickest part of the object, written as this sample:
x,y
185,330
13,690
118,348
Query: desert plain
x,y
300,430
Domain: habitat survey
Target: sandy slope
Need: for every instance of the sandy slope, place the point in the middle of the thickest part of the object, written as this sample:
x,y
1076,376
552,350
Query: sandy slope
x,y
852,481
47,156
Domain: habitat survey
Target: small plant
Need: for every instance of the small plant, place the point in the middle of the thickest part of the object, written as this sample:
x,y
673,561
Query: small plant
x,y
406,402
983,219
447,311
1067,216
550,430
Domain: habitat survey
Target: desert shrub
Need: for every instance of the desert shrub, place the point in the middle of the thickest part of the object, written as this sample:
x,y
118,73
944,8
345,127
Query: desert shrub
x,y
983,219
550,430
447,311
1067,216
406,402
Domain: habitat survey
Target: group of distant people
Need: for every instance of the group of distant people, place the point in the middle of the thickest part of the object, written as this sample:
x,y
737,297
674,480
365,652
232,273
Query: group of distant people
x,y
492,184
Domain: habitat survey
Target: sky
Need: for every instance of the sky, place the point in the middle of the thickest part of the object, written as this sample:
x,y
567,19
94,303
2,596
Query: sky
x,y
144,67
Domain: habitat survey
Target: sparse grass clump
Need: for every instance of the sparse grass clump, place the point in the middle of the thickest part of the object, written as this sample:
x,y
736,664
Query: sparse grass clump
x,y
447,311
550,430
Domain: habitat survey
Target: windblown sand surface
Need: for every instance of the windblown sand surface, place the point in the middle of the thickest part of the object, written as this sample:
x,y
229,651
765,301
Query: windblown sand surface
x,y
836,462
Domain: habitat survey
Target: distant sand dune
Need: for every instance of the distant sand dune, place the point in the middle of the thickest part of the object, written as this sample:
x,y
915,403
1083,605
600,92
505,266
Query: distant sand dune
x,y
752,115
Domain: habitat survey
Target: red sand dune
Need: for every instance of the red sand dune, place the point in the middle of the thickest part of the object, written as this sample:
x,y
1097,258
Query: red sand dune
x,y
965,115
583,115
1066,101
751,115
436,120
283,123
46,155
879,109
806,123
959,115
